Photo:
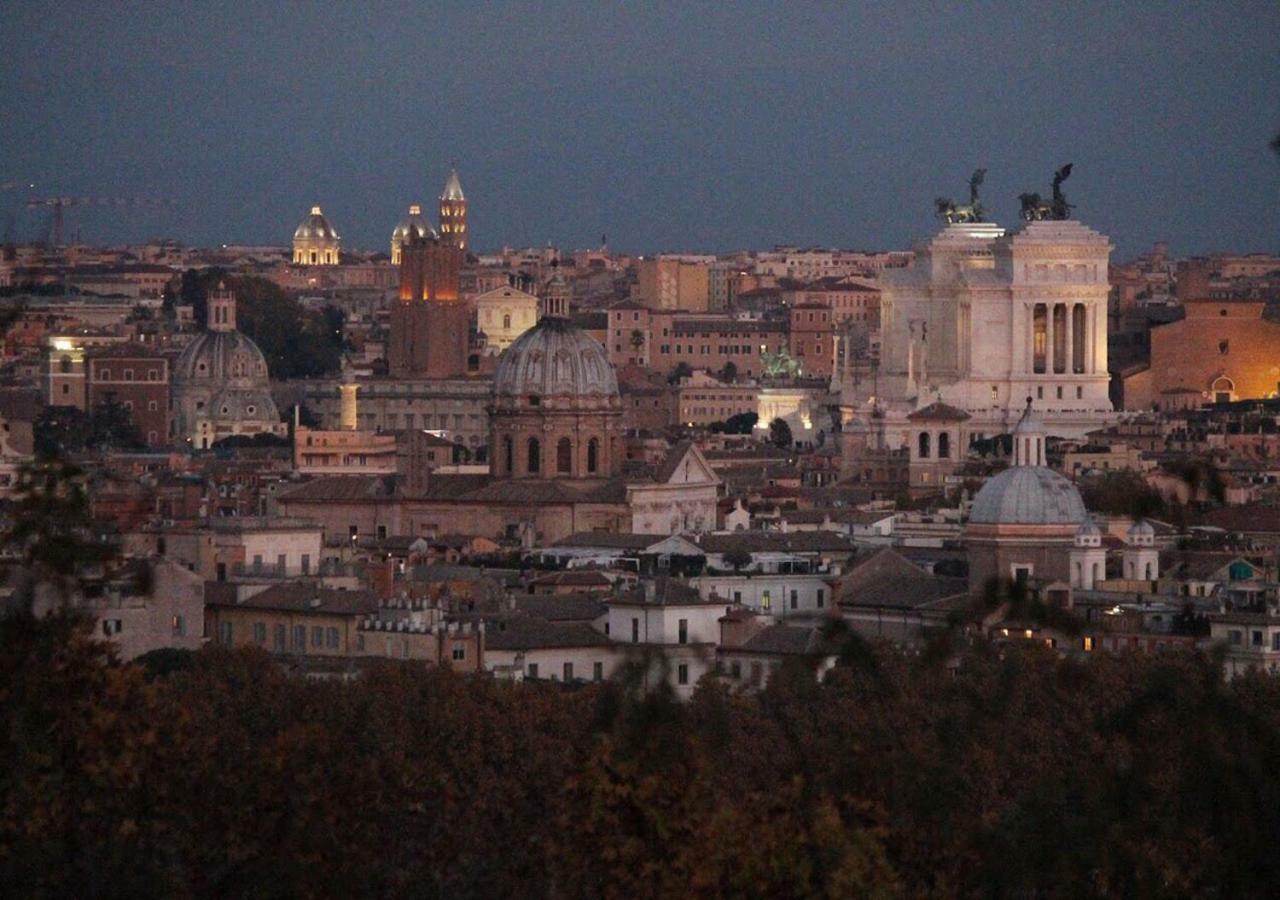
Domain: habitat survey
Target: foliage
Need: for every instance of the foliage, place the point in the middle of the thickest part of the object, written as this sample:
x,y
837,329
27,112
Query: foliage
x,y
739,558
742,423
728,374
1004,770
678,371
59,430
298,343
1121,492
780,434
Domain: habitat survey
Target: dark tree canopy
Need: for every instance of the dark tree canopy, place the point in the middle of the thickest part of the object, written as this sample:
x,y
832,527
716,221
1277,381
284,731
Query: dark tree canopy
x,y
780,434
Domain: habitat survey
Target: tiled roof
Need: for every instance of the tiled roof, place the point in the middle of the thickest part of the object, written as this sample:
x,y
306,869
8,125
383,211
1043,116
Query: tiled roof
x,y
341,489
939,412
785,640
298,597
561,607
666,592
530,633
887,579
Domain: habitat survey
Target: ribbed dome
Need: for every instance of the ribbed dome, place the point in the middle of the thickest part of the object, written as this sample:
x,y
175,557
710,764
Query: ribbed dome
x,y
1088,534
1028,495
413,226
218,356
555,357
315,227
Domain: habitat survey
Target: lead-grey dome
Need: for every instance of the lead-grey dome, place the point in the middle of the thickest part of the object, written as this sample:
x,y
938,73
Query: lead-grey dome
x,y
1028,495
555,358
217,356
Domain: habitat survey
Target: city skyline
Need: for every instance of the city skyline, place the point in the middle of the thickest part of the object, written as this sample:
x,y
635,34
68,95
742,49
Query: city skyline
x,y
665,129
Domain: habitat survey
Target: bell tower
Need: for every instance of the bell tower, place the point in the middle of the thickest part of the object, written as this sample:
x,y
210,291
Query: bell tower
x,y
222,309
453,212
430,322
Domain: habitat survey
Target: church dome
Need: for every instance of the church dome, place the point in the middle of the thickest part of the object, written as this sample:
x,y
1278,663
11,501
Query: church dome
x,y
1089,534
218,356
315,227
412,226
1028,495
555,358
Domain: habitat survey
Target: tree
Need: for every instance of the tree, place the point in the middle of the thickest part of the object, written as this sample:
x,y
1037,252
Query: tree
x,y
739,558
742,423
728,374
780,434
637,339
681,370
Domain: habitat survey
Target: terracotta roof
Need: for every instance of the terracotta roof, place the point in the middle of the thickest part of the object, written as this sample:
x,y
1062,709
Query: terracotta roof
x,y
530,633
666,592
939,412
1253,519
296,596
562,607
887,579
668,466
785,640
341,489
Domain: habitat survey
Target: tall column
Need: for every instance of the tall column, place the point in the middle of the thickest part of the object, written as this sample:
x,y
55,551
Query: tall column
x,y
1068,347
1049,348
1029,310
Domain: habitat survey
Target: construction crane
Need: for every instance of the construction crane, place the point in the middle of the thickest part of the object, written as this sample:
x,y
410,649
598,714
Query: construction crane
x,y
58,204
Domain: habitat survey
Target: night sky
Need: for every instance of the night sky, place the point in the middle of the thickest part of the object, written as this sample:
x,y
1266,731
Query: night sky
x,y
700,127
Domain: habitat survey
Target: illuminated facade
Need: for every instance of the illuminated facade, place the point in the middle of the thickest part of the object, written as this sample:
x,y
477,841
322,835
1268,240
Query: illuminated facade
x,y
453,212
316,242
504,314
430,323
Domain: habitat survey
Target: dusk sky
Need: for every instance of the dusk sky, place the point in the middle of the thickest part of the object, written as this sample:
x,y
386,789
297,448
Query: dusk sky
x,y
677,126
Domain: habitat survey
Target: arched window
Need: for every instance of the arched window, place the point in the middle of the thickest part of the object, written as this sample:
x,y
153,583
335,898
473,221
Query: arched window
x,y
506,321
924,445
564,456
1148,575
508,455
65,364
593,455
944,446
535,456
1097,573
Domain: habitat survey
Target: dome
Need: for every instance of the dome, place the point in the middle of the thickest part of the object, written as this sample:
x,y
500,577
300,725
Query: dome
x,y
413,226
1088,534
315,227
217,356
1141,534
1028,495
555,357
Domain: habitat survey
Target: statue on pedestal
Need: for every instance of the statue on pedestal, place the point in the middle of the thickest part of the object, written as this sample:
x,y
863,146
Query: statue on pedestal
x,y
1035,209
973,212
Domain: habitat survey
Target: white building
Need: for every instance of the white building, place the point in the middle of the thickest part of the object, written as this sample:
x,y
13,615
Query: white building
x,y
982,320
505,313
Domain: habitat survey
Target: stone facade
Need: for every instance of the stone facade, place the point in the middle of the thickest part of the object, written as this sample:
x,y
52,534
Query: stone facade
x,y
430,323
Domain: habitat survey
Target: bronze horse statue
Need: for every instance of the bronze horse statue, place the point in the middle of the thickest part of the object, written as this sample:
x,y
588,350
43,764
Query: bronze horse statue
x,y
1036,209
973,212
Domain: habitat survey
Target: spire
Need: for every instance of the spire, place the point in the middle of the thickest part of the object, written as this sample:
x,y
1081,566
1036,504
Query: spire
x,y
1028,439
452,186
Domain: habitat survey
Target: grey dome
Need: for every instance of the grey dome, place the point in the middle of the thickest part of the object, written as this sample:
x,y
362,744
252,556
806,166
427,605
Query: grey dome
x,y
315,227
555,357
1028,495
218,356
1141,528
1089,534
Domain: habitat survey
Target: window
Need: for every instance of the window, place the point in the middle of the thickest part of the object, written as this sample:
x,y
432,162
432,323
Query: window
x,y
757,671
1257,638
105,374
597,670
564,456
281,564
64,365
224,629
635,630
593,455
533,670
822,599
331,635
508,454
682,673
1088,645
568,671
112,626
684,631
306,564
923,445
795,599
260,633
257,562
459,650
735,670
1235,637
944,446
317,636
300,638
535,456
765,601
178,625
277,638
1275,640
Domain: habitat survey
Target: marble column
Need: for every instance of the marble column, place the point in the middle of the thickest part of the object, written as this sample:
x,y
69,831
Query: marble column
x,y
1068,344
1048,339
